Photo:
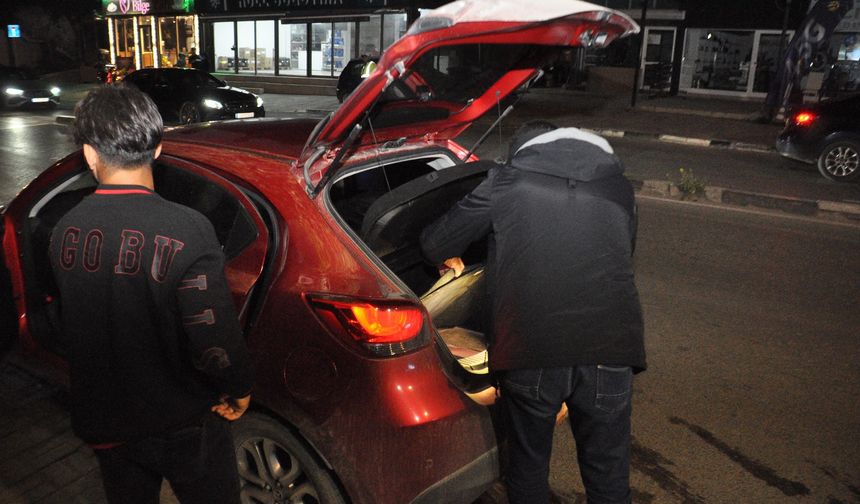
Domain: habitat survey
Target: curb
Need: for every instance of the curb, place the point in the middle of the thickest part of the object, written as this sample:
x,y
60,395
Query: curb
x,y
65,119
698,142
828,210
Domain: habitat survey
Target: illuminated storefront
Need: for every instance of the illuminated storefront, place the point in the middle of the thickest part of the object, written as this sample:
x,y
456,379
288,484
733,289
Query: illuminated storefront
x,y
154,33
300,38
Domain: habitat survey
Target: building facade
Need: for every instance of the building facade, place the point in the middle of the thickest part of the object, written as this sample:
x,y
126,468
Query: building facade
x,y
727,48
150,33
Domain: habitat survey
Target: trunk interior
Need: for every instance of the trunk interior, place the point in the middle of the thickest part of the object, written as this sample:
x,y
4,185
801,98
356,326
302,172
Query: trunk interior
x,y
387,205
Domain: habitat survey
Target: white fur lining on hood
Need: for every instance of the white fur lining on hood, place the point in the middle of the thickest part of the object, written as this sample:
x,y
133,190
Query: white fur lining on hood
x,y
572,133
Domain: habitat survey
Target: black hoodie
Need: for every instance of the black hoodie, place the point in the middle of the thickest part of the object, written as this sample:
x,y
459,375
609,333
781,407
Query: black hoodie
x,y
560,270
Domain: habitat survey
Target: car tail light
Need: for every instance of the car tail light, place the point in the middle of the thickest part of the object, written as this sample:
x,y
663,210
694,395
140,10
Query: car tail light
x,y
804,118
382,326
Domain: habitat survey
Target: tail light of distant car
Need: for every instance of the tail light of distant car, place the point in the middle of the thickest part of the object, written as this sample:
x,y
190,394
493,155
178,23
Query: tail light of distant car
x,y
803,118
383,327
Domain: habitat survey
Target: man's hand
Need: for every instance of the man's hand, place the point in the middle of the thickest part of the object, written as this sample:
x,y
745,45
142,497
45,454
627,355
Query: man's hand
x,y
456,264
231,408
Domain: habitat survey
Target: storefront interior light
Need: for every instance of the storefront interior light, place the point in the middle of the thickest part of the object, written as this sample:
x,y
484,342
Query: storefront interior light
x,y
212,104
14,91
136,43
55,91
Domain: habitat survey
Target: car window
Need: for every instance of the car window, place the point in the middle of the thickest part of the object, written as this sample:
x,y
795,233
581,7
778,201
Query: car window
x,y
141,79
214,82
233,226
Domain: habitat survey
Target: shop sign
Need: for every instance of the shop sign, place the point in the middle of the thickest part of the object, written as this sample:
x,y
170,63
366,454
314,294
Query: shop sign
x,y
126,7
239,6
14,31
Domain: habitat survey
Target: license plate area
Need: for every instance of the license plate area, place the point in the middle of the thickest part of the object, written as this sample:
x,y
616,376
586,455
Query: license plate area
x,y
244,115
39,100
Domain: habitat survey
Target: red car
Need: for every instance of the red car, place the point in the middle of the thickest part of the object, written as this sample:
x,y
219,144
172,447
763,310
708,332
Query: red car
x,y
365,360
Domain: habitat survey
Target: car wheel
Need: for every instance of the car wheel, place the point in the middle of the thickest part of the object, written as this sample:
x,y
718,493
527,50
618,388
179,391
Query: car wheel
x,y
189,113
276,466
840,161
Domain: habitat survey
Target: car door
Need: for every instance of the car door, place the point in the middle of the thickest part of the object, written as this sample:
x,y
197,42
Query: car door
x,y
30,218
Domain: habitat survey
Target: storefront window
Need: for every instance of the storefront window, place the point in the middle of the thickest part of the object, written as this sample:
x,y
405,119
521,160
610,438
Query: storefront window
x,y
145,37
393,27
124,41
176,37
245,38
331,48
370,35
717,60
265,48
292,49
223,36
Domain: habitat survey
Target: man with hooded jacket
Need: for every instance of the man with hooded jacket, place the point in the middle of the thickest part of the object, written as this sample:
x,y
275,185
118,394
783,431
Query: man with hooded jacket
x,y
566,320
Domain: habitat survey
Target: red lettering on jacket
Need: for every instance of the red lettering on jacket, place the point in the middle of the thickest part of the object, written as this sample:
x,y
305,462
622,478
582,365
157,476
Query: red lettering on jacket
x,y
128,262
165,251
93,250
69,251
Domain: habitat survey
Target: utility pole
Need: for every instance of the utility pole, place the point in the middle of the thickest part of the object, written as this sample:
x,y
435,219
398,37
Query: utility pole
x,y
642,42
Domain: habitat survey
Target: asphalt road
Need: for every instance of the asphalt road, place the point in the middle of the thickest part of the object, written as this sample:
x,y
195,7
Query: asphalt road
x,y
752,323
752,389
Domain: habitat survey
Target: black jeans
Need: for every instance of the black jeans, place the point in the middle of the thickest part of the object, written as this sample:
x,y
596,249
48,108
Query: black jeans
x,y
598,398
199,462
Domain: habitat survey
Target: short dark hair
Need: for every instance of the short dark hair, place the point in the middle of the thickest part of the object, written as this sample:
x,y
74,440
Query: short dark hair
x,y
526,132
121,123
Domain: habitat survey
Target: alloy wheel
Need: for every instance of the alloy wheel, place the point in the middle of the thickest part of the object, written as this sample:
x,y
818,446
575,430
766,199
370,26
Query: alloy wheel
x,y
842,161
272,475
188,113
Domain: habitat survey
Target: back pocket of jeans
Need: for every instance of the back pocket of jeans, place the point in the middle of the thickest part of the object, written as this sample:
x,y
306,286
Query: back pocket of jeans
x,y
523,382
613,387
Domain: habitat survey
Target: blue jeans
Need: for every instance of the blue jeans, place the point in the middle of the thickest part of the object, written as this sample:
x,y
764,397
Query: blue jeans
x,y
598,399
199,461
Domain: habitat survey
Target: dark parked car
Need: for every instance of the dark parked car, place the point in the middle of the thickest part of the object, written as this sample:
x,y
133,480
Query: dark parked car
x,y
350,76
187,95
366,361
827,134
19,88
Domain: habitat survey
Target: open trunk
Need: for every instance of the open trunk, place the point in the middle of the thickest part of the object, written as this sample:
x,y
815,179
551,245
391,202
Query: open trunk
x,y
387,205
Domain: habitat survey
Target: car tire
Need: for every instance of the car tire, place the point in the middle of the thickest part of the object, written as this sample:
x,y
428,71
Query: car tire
x,y
276,465
840,161
189,113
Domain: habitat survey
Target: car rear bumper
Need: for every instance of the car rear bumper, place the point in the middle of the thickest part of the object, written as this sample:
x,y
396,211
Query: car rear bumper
x,y
465,485
788,146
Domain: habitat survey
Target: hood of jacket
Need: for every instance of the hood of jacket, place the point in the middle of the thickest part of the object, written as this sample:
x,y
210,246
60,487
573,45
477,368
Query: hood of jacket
x,y
568,153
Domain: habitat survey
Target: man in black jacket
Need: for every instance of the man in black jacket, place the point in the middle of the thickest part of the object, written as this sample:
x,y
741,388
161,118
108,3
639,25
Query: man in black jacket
x,y
157,360
566,320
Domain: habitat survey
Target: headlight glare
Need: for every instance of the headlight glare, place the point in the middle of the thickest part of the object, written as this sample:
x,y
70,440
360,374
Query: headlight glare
x,y
55,91
259,102
212,103
14,91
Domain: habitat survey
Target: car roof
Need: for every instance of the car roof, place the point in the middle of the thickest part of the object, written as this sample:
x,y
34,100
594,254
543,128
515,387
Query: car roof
x,y
265,137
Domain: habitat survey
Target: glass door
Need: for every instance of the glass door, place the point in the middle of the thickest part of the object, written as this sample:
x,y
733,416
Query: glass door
x,y
657,56
292,49
224,36
764,69
245,36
